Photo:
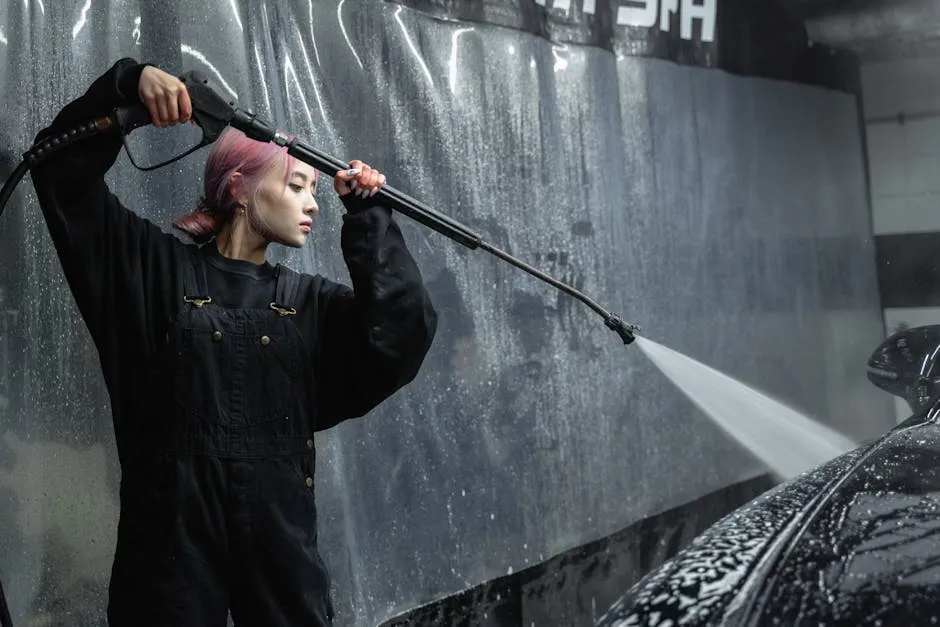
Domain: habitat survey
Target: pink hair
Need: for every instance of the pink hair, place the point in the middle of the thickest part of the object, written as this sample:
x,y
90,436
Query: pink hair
x,y
233,152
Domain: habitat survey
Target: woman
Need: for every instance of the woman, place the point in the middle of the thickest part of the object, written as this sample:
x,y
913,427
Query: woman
x,y
220,366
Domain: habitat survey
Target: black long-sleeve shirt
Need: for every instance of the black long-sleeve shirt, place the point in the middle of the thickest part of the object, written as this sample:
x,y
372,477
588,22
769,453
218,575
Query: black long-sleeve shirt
x,y
365,342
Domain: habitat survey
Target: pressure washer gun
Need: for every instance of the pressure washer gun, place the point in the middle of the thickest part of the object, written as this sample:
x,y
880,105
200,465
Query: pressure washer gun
x,y
213,114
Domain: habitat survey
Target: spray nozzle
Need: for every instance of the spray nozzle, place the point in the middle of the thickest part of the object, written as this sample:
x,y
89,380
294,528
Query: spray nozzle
x,y
625,330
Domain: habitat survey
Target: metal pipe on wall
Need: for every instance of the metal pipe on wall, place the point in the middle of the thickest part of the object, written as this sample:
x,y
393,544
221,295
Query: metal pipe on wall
x,y
863,25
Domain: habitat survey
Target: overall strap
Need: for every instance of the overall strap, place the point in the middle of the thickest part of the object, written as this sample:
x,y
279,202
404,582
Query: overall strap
x,y
195,287
288,284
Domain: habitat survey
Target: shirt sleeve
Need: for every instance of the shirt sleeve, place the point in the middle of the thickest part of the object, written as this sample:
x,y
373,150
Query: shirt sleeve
x,y
373,336
121,268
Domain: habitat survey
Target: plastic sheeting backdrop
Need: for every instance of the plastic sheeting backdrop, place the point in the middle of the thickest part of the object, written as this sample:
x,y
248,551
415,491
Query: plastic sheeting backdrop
x,y
725,214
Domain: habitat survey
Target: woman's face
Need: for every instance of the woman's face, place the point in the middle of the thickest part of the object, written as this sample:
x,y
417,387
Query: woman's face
x,y
284,212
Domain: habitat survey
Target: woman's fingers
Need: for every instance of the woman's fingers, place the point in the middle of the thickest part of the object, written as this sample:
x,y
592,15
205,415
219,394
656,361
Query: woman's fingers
x,y
186,105
366,182
158,105
379,186
369,181
165,97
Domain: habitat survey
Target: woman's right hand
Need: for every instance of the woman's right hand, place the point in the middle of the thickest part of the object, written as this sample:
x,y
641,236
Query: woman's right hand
x,y
165,96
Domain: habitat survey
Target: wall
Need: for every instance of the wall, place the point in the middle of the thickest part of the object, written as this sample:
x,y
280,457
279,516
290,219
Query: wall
x,y
726,214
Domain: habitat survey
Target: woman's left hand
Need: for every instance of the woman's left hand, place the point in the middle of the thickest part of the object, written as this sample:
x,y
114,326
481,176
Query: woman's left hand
x,y
366,183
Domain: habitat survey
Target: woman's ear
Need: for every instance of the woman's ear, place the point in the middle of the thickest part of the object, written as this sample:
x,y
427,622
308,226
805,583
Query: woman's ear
x,y
236,182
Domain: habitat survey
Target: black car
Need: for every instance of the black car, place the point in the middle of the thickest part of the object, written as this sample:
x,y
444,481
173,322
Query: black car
x,y
853,542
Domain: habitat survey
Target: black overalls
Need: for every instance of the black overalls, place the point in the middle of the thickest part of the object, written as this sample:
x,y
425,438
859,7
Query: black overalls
x,y
217,497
